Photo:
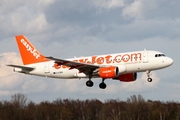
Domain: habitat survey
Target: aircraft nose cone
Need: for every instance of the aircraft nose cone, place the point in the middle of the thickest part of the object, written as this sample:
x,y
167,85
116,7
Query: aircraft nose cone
x,y
170,61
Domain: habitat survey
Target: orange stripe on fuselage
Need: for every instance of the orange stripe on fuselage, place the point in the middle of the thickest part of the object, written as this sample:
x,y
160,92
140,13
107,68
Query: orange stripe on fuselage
x,y
110,59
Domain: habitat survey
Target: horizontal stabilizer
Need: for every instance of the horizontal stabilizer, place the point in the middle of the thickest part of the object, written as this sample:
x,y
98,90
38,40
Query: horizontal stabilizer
x,y
22,67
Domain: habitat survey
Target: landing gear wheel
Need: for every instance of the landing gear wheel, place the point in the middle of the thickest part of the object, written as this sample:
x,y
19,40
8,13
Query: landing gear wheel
x,y
89,83
102,85
149,79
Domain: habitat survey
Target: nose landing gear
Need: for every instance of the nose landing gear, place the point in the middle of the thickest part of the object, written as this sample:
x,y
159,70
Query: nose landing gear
x,y
149,79
149,74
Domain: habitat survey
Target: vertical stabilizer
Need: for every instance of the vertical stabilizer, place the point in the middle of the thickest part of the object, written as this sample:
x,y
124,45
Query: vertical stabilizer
x,y
29,53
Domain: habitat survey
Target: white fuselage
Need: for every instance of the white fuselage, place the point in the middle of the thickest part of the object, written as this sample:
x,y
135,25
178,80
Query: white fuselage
x,y
131,62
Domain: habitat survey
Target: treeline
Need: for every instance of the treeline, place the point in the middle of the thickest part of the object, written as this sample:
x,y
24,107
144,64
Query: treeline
x,y
134,108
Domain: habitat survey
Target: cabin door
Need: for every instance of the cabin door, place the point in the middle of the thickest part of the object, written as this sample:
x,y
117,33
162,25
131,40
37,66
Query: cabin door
x,y
145,57
46,68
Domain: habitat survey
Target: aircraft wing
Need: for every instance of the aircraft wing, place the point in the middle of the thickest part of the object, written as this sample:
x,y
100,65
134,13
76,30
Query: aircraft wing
x,y
82,67
22,67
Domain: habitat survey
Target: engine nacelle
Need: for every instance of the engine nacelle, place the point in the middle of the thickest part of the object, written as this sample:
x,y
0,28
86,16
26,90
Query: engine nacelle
x,y
122,68
109,72
129,77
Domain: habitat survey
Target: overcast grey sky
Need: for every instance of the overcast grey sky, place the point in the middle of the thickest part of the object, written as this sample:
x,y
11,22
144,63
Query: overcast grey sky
x,y
68,28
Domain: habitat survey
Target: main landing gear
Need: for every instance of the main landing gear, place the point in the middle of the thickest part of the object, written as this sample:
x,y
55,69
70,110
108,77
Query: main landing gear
x,y
90,83
102,85
149,74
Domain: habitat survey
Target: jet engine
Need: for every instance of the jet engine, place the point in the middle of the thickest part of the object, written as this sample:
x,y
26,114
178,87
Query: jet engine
x,y
109,72
129,77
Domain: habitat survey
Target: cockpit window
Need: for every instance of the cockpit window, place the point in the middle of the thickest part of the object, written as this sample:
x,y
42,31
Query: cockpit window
x,y
159,55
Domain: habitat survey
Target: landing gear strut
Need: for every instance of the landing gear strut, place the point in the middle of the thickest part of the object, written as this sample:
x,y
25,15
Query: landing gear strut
x,y
90,83
102,85
149,74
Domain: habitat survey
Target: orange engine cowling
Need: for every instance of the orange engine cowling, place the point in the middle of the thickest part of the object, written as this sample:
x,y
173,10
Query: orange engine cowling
x,y
109,72
129,77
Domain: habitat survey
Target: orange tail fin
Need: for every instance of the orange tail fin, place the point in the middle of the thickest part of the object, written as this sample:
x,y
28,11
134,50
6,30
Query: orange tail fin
x,y
28,52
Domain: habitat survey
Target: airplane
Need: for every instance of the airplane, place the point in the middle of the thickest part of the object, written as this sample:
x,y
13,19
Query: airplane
x,y
119,66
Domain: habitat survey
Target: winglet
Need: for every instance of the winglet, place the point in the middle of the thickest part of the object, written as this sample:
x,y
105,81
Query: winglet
x,y
29,53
